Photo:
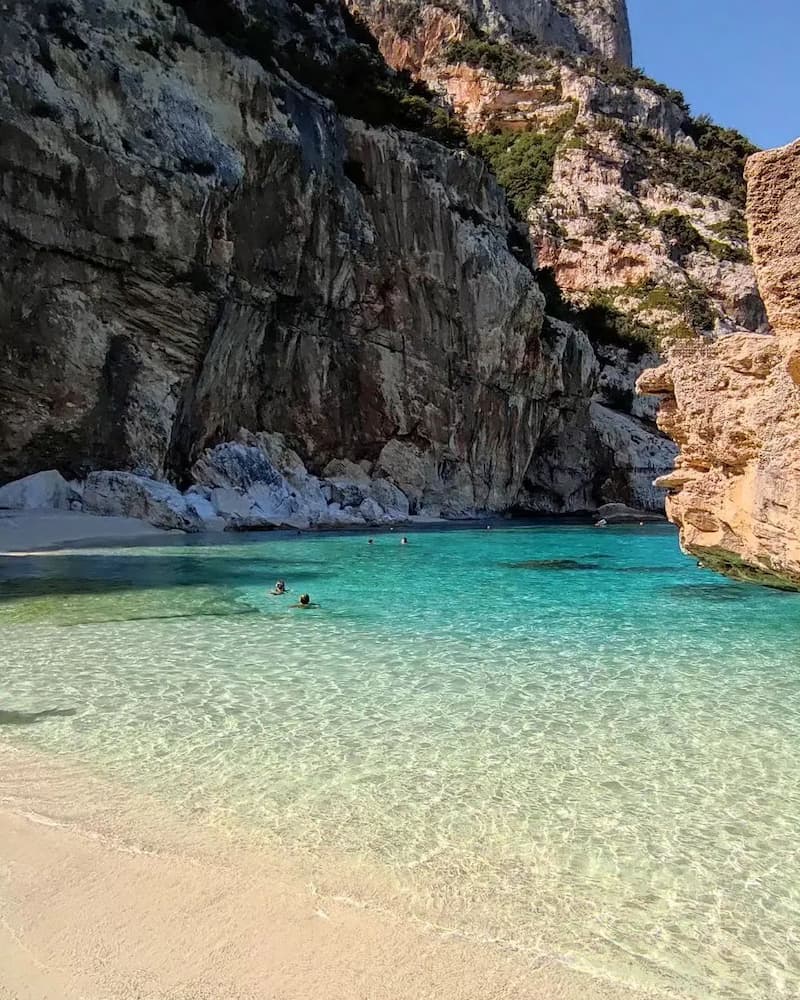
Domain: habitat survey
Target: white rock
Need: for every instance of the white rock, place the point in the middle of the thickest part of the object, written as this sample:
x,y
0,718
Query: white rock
x,y
372,512
391,498
206,511
122,494
42,490
231,504
234,466
336,517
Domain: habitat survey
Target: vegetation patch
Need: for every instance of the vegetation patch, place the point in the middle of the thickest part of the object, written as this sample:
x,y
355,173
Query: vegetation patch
x,y
681,236
601,320
523,160
617,222
733,228
505,62
604,322
617,75
715,167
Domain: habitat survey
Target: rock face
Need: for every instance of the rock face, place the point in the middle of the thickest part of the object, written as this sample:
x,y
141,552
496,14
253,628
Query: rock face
x,y
598,27
209,246
640,214
193,242
733,406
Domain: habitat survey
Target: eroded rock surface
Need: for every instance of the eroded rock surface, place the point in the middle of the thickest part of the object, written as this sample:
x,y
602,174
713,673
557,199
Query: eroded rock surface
x,y
193,242
733,407
599,27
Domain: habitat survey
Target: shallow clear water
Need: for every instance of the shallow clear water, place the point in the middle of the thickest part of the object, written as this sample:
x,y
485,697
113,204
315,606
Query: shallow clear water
x,y
568,739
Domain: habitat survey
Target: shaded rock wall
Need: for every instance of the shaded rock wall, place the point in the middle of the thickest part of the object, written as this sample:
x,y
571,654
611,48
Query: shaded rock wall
x,y
733,406
192,243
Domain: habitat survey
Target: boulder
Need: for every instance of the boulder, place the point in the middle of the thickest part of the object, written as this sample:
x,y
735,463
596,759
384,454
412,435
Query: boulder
x,y
337,517
372,512
348,494
347,471
391,498
404,464
205,510
41,491
122,494
233,465
231,504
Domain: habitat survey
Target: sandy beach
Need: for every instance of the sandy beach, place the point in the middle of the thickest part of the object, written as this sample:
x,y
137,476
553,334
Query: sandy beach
x,y
23,532
105,895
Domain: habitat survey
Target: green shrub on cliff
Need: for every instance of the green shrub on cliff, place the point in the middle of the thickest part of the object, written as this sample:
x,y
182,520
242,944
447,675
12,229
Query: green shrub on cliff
x,y
732,228
523,160
505,62
681,236
616,74
714,167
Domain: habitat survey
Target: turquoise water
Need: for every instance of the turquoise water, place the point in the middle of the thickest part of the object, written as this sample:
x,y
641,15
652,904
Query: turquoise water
x,y
566,739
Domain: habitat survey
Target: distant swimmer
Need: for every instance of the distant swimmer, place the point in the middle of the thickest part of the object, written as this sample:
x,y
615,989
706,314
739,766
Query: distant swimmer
x,y
305,602
404,540
279,590
370,541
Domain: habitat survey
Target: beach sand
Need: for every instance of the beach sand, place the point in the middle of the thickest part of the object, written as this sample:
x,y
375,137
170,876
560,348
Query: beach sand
x,y
105,895
24,532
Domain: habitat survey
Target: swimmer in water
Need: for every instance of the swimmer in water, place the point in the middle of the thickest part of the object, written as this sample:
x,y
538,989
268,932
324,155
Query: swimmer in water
x,y
370,541
404,540
305,602
279,589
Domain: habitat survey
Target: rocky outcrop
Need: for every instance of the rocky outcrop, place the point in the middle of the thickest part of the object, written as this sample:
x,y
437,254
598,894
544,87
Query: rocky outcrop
x,y
598,27
255,482
41,491
193,242
121,494
640,215
733,406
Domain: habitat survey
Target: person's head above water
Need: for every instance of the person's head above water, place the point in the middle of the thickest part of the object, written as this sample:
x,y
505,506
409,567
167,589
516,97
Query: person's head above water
x,y
404,540
280,585
305,599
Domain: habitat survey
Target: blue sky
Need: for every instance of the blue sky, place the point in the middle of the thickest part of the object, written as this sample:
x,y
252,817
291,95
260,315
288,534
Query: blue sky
x,y
736,60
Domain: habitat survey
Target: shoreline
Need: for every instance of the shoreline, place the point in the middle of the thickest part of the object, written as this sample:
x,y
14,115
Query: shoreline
x,y
48,532
177,910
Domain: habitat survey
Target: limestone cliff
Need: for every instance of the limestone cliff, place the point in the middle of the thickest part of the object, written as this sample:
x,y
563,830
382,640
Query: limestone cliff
x,y
634,204
597,27
194,242
733,406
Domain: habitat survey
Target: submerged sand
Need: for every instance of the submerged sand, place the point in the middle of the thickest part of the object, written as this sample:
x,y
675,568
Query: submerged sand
x,y
25,532
106,895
